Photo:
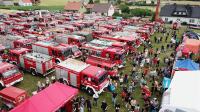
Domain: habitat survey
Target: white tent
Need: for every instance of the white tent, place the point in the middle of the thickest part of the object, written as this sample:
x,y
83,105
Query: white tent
x,y
183,94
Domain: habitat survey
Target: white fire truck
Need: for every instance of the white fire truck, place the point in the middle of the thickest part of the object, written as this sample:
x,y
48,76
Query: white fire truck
x,y
58,51
81,75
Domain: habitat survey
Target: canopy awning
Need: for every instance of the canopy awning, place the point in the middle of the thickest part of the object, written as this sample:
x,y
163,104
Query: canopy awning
x,y
48,100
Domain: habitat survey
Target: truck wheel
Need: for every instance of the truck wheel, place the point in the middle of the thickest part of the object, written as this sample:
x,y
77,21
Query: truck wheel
x,y
1,87
57,61
90,91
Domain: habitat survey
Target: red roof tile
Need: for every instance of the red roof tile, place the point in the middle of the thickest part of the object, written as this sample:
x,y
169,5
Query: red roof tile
x,y
27,1
73,6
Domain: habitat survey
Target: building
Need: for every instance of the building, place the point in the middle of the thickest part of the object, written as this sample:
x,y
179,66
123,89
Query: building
x,y
103,9
89,7
184,13
25,3
6,2
75,7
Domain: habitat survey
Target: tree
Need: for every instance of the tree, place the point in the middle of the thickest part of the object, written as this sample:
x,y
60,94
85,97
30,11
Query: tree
x,y
124,8
91,2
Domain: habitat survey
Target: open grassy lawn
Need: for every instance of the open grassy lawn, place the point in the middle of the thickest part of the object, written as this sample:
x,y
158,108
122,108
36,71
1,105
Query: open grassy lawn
x,y
53,2
29,82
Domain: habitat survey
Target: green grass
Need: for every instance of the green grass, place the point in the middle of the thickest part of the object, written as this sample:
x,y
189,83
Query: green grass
x,y
53,2
29,82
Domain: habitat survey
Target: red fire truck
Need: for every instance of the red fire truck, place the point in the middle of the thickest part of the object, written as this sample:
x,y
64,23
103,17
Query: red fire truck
x,y
9,74
17,42
98,33
36,63
115,54
108,65
58,51
70,39
110,43
81,75
25,43
12,96
131,41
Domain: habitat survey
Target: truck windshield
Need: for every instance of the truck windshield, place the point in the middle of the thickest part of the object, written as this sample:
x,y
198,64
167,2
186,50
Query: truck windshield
x,y
10,73
102,78
67,52
82,40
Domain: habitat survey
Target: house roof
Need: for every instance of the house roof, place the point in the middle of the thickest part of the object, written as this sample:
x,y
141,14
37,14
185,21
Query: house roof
x,y
74,6
102,8
89,6
192,11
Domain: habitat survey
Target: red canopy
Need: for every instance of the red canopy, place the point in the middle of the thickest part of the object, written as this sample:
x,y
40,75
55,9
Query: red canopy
x,y
48,100
193,45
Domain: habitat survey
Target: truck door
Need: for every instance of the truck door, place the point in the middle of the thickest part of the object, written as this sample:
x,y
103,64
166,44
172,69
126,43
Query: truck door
x,y
61,74
21,59
73,79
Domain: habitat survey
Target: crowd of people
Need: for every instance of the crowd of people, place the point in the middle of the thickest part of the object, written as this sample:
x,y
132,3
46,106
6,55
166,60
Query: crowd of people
x,y
146,74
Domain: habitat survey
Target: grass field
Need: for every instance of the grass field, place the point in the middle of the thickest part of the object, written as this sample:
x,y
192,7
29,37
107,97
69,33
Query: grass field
x,y
29,82
53,2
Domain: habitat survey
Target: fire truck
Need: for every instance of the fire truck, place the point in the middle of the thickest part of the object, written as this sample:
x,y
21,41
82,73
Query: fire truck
x,y
81,75
58,51
9,74
108,65
97,33
115,54
18,42
131,41
110,43
36,63
70,39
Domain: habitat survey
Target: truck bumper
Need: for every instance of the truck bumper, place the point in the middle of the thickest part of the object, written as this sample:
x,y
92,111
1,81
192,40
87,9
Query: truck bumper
x,y
102,89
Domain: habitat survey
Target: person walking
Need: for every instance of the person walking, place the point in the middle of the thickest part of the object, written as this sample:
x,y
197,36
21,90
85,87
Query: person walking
x,y
95,98
89,105
104,106
117,107
114,98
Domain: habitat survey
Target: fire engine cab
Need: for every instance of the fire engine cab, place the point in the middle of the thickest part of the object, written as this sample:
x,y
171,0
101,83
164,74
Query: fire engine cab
x,y
81,75
9,74
115,54
58,51
70,39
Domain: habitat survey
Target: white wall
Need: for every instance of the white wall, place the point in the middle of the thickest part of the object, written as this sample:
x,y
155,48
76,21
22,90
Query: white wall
x,y
187,20
111,11
21,3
